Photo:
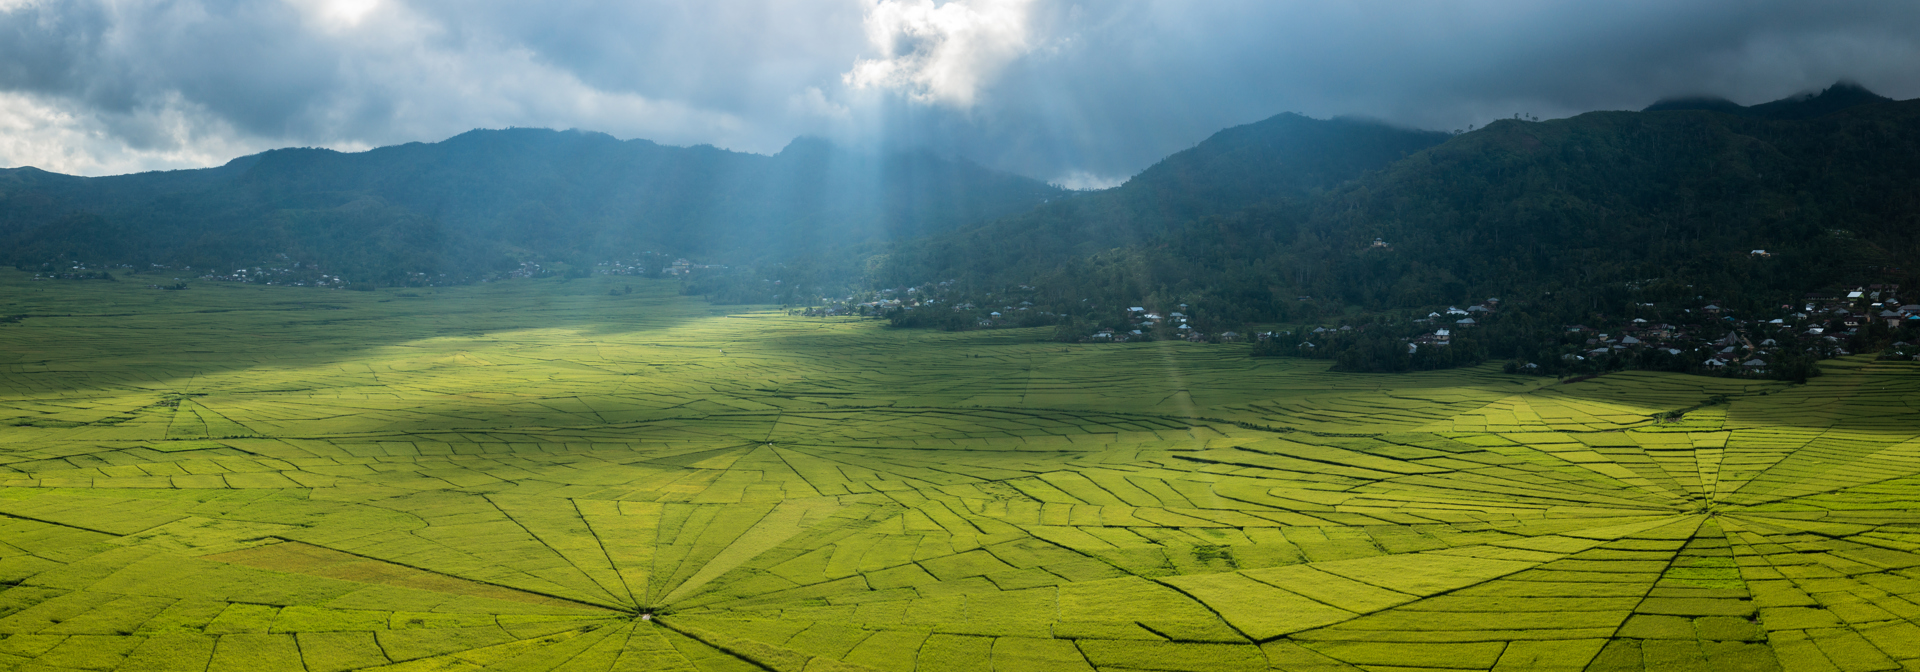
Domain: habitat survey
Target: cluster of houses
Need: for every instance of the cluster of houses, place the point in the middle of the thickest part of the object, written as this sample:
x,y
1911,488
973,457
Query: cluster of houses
x,y
1142,324
882,301
1705,336
1717,339
289,274
995,318
1190,336
284,272
629,267
1455,318
1736,346
835,309
869,304
1015,307
938,294
77,272
1449,321
647,264
299,275
526,269
1462,317
681,267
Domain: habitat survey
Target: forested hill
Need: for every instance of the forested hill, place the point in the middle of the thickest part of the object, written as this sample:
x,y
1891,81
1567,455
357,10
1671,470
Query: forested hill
x,y
1279,164
486,198
1829,185
1804,106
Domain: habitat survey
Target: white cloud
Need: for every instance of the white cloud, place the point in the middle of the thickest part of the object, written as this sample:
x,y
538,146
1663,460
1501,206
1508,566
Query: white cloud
x,y
337,14
945,53
342,74
814,103
64,137
424,92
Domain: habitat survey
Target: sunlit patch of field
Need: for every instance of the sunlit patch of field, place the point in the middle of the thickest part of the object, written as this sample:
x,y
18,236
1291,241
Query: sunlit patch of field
x,y
540,476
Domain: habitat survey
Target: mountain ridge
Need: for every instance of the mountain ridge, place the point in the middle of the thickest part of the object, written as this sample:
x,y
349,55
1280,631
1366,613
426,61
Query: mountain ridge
x,y
1277,163
495,197
1840,96
1249,220
1578,207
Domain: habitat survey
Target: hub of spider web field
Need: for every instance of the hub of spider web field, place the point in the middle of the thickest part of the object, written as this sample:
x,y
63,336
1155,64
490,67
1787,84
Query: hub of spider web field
x,y
540,475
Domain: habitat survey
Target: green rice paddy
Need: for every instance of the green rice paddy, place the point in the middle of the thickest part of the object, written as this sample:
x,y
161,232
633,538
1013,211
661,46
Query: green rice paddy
x,y
538,476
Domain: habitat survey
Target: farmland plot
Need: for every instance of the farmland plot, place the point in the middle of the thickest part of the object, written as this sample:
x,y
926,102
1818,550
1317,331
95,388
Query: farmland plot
x,y
540,476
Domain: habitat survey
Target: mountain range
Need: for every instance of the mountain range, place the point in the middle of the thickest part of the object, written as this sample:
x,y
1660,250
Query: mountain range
x,y
1286,218
488,199
1678,196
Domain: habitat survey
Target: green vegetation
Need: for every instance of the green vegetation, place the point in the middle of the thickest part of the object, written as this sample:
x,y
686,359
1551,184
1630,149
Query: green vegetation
x,y
1695,236
1572,221
547,475
478,204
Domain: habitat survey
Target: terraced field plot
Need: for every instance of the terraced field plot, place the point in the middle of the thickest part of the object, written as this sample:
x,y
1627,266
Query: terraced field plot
x,y
539,476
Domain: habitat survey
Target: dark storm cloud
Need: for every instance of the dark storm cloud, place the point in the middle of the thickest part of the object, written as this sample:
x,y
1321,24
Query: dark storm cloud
x,y
247,61
1161,76
1084,93
732,55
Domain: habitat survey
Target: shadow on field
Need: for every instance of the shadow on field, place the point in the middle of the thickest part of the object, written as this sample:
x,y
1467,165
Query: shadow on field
x,y
78,335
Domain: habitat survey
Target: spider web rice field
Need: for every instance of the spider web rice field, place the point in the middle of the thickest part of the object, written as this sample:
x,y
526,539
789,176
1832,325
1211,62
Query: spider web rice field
x,y
539,476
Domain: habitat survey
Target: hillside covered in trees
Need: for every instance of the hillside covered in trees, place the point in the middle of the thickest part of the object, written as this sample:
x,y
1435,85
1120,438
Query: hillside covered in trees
x,y
486,200
1567,211
1654,216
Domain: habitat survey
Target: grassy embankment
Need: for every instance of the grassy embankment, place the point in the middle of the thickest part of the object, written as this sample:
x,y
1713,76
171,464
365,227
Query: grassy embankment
x,y
255,478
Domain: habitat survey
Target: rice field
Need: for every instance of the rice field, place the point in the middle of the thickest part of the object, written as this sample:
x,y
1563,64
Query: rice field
x,y
540,476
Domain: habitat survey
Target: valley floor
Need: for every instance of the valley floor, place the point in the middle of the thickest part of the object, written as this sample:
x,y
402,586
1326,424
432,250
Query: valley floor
x,y
541,475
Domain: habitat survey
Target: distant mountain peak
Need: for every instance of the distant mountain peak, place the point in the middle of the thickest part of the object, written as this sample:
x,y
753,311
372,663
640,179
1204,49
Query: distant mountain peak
x,y
807,145
1805,105
1842,95
1711,103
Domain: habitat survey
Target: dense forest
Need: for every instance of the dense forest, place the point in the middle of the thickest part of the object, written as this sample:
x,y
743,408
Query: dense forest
x,y
1572,211
486,201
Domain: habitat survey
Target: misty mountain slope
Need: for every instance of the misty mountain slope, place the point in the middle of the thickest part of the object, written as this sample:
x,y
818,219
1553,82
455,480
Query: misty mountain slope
x,y
1805,106
1279,163
485,197
1578,206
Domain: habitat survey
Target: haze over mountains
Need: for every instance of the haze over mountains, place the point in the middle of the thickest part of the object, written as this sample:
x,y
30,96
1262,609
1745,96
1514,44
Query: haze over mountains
x,y
1249,221
1803,106
484,200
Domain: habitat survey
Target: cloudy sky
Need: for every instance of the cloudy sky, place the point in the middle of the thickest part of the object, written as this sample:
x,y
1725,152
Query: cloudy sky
x,y
1082,94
